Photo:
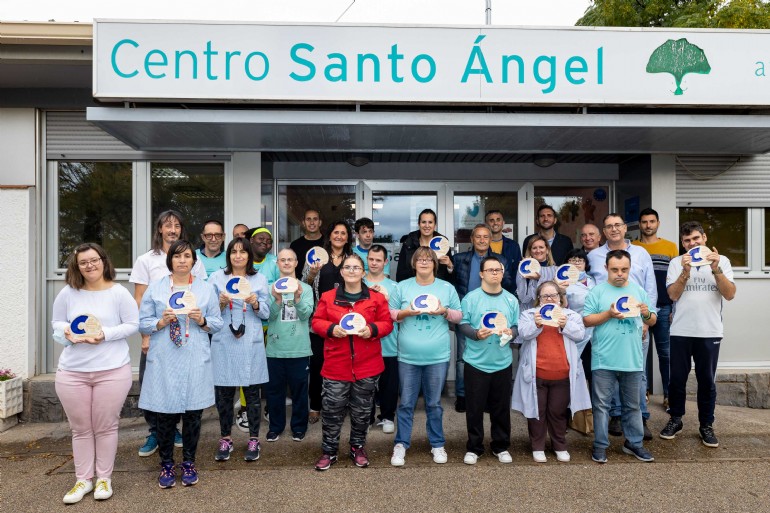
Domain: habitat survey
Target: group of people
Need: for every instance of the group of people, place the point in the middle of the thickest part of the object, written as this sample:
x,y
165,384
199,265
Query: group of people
x,y
346,338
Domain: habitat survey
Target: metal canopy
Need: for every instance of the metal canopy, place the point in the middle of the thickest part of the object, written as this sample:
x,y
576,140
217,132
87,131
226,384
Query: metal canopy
x,y
154,129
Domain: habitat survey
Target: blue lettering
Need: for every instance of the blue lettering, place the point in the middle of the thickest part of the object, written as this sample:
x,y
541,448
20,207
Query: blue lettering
x,y
572,67
209,53
303,62
341,67
550,80
177,57
115,55
265,62
600,65
363,57
394,57
228,56
506,60
431,68
477,55
149,62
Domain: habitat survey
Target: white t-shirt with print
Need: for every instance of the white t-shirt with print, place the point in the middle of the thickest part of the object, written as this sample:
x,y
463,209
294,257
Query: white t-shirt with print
x,y
151,267
698,312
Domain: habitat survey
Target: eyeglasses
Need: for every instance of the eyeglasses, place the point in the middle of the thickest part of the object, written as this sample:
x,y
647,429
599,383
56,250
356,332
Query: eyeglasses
x,y
352,268
424,260
213,236
549,296
576,261
286,260
493,271
616,226
93,262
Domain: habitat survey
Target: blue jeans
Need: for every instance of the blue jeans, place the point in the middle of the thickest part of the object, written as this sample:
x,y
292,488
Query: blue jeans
x,y
460,365
615,407
429,378
603,385
660,334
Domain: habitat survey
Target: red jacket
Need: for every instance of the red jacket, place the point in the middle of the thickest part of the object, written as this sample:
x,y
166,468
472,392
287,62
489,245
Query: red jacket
x,y
352,358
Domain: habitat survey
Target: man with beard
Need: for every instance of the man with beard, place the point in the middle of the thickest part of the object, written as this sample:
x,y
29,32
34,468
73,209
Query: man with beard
x,y
546,227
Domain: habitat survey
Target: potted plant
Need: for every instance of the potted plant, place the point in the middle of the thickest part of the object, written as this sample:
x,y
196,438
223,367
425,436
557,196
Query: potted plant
x,y
10,393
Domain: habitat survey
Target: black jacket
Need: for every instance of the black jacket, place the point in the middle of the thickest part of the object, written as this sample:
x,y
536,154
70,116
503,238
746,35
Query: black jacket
x,y
404,270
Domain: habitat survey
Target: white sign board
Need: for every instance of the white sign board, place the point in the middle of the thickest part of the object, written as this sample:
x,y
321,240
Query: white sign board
x,y
240,62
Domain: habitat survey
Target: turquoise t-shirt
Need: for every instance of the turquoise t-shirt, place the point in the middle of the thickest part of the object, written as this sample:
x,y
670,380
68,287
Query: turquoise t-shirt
x,y
487,355
617,344
363,253
389,343
423,339
268,268
212,264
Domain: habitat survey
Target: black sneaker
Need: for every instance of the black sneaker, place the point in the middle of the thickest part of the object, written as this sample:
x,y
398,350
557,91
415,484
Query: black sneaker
x,y
599,455
224,449
298,436
460,404
640,453
616,427
272,436
647,432
708,437
673,427
252,450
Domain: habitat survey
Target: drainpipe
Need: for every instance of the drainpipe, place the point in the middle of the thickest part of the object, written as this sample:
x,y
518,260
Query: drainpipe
x,y
489,13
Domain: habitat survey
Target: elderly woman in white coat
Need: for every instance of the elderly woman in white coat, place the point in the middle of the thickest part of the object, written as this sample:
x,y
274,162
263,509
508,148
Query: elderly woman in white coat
x,y
550,377
238,350
178,380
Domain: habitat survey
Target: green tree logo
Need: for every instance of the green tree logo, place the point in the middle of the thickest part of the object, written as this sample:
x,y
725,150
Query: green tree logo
x,y
678,58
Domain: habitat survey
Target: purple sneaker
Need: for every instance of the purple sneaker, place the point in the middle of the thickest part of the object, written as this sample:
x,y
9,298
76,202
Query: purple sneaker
x,y
224,450
358,455
167,477
189,473
252,450
326,461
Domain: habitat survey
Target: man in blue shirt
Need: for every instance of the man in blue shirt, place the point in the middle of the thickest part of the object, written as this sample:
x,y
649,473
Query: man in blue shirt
x,y
616,354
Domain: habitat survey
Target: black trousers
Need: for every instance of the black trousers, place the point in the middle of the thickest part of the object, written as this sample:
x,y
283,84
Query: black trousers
x,y
224,400
191,433
492,390
315,383
387,389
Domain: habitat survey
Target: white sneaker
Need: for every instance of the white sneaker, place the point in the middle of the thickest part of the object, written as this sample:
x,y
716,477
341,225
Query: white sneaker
x,y
388,426
504,457
562,456
243,421
103,489
439,455
81,488
399,455
470,458
539,456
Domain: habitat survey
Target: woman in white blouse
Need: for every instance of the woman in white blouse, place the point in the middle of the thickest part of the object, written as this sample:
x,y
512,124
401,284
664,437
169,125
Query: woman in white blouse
x,y
94,372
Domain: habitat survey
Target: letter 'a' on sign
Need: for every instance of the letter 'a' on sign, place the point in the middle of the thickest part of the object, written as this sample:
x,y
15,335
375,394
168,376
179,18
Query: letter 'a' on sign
x,y
550,314
317,254
699,255
238,287
425,303
182,302
628,306
528,267
352,323
568,273
85,326
440,245
286,285
495,321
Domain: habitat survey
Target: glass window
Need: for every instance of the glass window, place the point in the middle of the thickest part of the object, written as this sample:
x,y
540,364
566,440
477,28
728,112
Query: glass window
x,y
726,229
267,204
767,238
95,205
575,207
197,191
470,208
334,202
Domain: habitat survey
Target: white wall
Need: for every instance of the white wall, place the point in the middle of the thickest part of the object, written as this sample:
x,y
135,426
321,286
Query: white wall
x,y
18,237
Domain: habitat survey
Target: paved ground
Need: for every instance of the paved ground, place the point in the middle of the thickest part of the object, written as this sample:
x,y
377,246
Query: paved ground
x,y
36,470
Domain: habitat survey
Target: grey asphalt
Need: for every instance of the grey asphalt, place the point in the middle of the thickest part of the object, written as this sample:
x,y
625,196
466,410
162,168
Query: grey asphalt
x,y
36,470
